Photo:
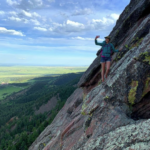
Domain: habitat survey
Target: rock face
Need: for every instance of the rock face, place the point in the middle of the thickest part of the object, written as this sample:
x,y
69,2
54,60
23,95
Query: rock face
x,y
47,107
115,114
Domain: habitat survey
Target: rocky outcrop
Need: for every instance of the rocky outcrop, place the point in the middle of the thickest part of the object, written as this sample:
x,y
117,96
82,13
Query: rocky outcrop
x,y
68,121
48,106
129,137
115,114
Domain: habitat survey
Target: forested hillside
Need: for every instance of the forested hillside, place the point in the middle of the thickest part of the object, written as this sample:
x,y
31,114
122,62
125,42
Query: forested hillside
x,y
19,124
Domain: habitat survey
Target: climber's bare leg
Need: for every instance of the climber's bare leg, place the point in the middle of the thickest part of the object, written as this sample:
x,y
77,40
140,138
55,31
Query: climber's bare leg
x,y
108,63
103,70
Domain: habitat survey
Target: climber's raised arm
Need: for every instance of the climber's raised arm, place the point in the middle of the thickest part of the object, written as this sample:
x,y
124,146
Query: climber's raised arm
x,y
97,43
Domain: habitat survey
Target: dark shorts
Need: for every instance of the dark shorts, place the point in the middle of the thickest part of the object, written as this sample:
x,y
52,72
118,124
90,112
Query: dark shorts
x,y
104,59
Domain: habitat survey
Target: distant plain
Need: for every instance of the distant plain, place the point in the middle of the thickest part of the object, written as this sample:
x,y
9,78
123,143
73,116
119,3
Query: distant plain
x,y
10,75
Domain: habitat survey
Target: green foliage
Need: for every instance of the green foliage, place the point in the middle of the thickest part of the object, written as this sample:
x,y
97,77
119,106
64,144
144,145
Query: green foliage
x,y
6,90
147,59
83,113
146,86
136,42
100,81
126,46
106,97
117,32
19,126
68,78
83,109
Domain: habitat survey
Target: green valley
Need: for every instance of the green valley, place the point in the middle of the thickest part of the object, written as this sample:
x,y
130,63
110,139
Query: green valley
x,y
28,106
20,74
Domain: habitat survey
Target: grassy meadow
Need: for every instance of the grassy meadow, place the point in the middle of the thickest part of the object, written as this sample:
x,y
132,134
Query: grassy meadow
x,y
9,89
21,74
27,74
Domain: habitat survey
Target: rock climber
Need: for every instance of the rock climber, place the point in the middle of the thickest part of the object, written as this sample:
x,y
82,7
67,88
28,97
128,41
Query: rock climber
x,y
107,49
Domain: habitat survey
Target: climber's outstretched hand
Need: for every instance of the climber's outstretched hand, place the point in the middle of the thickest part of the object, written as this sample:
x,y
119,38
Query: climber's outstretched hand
x,y
97,37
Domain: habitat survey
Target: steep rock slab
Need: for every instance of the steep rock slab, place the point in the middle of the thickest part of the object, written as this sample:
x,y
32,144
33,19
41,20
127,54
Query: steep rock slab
x,y
86,79
109,109
130,137
67,122
109,105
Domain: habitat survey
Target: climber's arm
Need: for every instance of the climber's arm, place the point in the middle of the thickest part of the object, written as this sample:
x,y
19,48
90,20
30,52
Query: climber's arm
x,y
97,43
114,50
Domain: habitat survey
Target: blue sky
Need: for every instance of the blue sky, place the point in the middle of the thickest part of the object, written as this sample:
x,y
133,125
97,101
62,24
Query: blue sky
x,y
55,32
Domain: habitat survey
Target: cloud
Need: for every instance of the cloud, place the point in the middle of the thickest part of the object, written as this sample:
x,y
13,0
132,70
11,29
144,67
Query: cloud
x,y
34,14
25,20
85,11
36,22
101,24
68,26
10,32
105,22
86,39
81,38
28,14
15,19
51,0
2,12
10,2
25,13
67,3
26,4
23,16
74,24
71,23
12,13
40,29
115,16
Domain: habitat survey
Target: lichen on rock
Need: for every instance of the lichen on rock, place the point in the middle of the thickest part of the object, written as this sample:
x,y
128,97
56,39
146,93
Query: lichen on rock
x,y
147,58
132,92
146,87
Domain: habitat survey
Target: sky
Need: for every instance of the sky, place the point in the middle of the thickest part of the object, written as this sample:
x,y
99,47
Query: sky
x,y
55,32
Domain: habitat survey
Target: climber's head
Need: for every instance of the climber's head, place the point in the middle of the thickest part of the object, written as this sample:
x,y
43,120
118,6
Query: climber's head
x,y
107,39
